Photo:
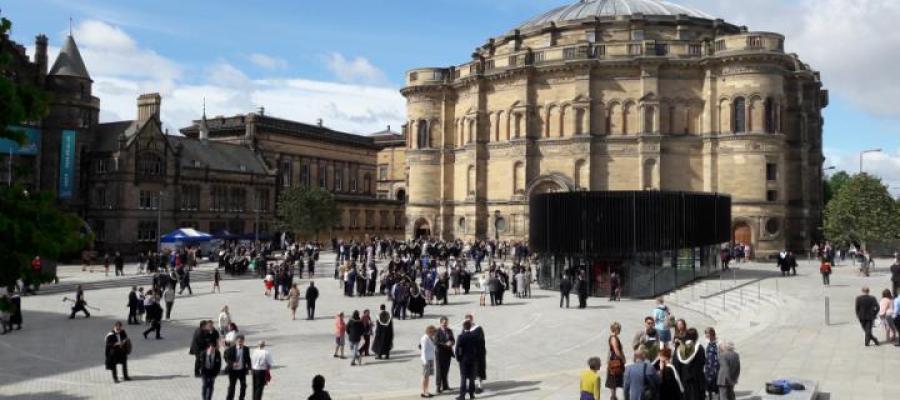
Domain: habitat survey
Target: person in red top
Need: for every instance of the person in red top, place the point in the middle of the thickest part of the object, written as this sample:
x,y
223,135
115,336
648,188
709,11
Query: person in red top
x,y
36,264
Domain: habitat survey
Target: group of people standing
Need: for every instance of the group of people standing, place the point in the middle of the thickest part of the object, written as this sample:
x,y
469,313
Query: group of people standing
x,y
438,347
669,363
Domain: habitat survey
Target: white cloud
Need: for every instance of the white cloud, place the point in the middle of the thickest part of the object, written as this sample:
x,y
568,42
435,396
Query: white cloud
x,y
852,42
123,69
357,70
885,164
267,62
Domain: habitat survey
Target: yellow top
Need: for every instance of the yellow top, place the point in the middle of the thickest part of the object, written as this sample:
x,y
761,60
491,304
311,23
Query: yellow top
x,y
590,383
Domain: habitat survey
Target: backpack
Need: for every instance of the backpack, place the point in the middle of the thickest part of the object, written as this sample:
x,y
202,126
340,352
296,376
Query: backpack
x,y
779,387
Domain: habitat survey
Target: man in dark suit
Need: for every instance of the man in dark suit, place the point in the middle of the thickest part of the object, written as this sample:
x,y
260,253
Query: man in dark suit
x,y
467,355
444,340
866,311
237,365
565,287
895,275
312,293
210,367
133,306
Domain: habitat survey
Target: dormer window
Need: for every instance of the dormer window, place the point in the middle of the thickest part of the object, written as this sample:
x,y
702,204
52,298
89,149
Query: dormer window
x,y
150,164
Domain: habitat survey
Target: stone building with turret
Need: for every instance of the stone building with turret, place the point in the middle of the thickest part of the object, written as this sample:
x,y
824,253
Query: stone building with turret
x,y
618,95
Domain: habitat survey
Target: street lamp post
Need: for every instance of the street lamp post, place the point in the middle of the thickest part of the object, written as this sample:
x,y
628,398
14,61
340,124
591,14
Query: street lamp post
x,y
864,152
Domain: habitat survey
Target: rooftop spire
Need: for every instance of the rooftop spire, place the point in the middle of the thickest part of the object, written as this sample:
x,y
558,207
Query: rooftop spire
x,y
203,128
69,61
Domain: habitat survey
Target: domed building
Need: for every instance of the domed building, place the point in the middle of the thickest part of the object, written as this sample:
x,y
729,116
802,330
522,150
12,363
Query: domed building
x,y
609,95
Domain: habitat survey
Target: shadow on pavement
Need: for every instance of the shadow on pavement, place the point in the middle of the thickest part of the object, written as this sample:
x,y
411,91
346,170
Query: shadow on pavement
x,y
43,396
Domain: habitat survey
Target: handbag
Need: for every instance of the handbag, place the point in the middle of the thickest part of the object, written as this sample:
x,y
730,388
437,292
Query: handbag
x,y
268,376
616,366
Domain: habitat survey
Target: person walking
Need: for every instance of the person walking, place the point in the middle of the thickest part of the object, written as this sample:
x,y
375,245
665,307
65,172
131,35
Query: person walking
x,y
354,335
186,282
318,387
384,334
237,366
480,345
80,303
217,277
209,371
729,371
340,330
444,342
426,354
565,288
590,380
896,316
224,320
866,311
367,333
169,298
118,346
120,264
640,379
895,276
886,316
294,300
825,270
615,368
467,356
661,321
154,314
15,311
260,364
312,293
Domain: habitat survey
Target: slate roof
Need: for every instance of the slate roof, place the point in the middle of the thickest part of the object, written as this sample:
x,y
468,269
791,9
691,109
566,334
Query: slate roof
x,y
69,61
218,156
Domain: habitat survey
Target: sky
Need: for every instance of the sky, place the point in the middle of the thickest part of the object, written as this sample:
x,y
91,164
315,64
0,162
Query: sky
x,y
344,60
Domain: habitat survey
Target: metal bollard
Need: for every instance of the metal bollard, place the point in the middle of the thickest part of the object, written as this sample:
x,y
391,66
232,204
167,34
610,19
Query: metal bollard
x,y
759,290
733,277
827,311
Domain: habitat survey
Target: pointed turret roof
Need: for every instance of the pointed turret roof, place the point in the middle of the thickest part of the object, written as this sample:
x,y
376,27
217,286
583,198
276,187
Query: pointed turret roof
x,y
69,61
204,128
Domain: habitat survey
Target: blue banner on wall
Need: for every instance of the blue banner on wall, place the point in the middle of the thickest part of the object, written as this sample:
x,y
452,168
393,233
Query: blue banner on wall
x,y
29,148
67,164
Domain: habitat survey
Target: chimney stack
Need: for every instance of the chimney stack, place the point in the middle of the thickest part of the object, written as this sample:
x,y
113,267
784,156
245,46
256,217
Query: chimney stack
x,y
40,57
148,107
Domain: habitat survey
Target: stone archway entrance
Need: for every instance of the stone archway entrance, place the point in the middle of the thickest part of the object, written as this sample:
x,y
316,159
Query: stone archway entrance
x,y
741,233
421,228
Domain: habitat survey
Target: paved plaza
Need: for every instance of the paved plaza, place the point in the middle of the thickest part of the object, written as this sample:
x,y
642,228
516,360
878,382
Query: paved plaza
x,y
535,350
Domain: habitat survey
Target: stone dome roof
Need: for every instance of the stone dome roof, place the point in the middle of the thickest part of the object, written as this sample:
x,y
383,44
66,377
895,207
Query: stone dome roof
x,y
589,9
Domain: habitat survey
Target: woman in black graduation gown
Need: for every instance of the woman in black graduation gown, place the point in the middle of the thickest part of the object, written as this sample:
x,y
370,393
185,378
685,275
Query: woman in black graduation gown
x,y
417,302
384,335
689,361
670,387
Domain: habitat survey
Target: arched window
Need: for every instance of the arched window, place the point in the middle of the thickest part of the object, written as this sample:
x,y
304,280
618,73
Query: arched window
x,y
461,225
150,164
470,181
422,141
770,115
739,115
649,119
519,178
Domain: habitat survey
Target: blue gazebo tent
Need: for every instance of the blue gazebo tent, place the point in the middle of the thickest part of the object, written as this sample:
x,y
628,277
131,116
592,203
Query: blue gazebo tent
x,y
186,235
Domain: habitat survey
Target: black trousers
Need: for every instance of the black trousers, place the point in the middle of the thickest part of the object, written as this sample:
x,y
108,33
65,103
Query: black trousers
x,y
896,288
563,297
132,315
233,378
493,298
582,300
826,279
77,308
311,309
467,379
259,383
209,382
154,326
124,371
169,305
867,328
443,369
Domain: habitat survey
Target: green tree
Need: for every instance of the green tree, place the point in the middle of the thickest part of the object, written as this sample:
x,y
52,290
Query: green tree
x,y
19,101
30,224
862,211
834,184
307,210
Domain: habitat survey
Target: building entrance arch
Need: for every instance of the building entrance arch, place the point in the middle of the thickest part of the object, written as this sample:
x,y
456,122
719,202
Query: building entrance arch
x,y
421,228
741,233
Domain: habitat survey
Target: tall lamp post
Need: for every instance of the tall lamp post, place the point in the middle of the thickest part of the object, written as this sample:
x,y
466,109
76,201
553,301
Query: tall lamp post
x,y
863,153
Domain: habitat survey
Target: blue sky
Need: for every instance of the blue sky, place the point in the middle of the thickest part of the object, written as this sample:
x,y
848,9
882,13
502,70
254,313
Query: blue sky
x,y
344,60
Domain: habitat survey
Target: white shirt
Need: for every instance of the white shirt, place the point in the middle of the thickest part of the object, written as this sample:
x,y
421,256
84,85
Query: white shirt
x,y
238,357
260,359
427,346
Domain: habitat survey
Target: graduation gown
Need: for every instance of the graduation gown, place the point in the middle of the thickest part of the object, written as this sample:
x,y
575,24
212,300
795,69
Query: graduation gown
x,y
689,360
416,303
384,334
116,354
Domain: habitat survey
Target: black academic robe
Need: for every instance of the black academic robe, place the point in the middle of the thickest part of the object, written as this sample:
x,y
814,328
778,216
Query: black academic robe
x,y
670,388
116,354
384,334
689,360
482,352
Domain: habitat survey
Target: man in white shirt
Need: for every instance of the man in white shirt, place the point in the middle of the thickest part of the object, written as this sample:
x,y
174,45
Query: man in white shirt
x,y
260,363
426,347
237,365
